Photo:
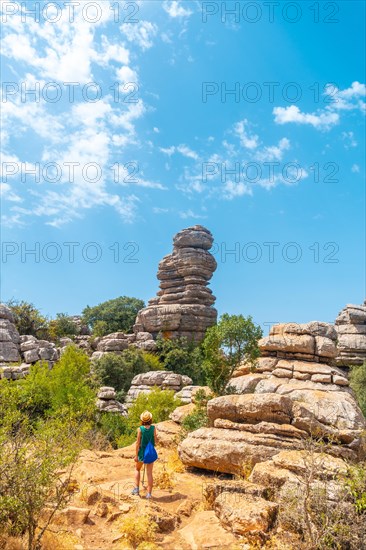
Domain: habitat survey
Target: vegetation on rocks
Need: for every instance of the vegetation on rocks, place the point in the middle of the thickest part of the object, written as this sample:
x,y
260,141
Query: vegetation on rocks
x,y
114,315
183,357
233,340
358,384
28,319
118,370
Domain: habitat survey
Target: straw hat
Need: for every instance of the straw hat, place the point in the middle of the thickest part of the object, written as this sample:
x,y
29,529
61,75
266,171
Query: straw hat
x,y
146,416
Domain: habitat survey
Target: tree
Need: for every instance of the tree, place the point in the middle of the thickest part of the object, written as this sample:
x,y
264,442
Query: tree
x,y
119,370
62,326
112,316
182,357
226,345
28,319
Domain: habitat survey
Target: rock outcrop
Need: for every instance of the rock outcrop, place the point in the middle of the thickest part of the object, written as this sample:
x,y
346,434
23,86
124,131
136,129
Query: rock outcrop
x,y
9,336
295,392
183,305
107,402
34,350
351,329
146,381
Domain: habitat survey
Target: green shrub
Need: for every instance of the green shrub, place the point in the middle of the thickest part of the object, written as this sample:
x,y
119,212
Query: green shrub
x,y
62,326
183,357
114,315
118,370
36,460
198,417
358,384
159,402
233,340
28,319
152,361
66,387
113,426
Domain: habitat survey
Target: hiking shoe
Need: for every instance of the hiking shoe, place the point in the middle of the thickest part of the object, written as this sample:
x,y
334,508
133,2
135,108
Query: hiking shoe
x,y
148,496
135,491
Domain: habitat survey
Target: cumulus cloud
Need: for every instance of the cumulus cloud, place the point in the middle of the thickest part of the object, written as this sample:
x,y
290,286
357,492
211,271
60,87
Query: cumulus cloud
x,y
323,119
246,140
174,9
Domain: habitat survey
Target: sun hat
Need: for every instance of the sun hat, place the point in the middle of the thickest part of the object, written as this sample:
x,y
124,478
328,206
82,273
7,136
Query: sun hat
x,y
146,416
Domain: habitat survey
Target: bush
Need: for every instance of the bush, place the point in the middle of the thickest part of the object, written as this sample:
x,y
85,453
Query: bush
x,y
198,417
182,357
28,319
233,340
119,370
159,402
65,389
138,529
62,326
112,316
112,426
36,461
358,384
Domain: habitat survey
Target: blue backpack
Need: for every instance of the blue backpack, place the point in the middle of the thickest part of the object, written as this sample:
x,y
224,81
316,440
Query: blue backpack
x,y
150,454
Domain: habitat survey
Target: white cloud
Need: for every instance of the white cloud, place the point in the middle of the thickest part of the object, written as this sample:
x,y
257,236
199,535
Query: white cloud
x,y
7,193
246,140
274,152
141,33
355,168
189,214
182,149
233,189
175,9
349,140
156,130
187,152
322,120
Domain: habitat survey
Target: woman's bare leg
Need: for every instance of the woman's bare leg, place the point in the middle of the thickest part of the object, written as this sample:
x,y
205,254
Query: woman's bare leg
x,y
137,473
149,473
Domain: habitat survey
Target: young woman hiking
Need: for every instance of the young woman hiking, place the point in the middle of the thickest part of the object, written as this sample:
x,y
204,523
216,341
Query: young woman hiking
x,y
145,433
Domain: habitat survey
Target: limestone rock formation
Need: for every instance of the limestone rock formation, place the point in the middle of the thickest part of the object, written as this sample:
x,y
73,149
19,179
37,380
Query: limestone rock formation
x,y
9,336
188,393
295,392
34,350
183,305
351,329
167,380
106,401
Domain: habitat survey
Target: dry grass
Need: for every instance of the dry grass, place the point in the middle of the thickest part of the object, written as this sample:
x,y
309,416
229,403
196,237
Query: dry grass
x,y
138,529
10,543
62,540
174,463
246,469
164,479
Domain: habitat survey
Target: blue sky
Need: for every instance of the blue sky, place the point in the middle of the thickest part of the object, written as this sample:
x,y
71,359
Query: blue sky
x,y
134,138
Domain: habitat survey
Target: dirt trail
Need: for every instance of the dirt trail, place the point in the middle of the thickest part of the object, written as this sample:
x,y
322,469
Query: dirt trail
x,y
104,482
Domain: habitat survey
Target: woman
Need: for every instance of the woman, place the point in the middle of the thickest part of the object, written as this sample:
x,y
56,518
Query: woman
x,y
145,433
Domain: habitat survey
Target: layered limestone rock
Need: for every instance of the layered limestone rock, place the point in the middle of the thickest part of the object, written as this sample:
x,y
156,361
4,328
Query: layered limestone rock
x,y
34,350
188,393
295,392
9,336
119,341
146,381
183,305
107,402
351,329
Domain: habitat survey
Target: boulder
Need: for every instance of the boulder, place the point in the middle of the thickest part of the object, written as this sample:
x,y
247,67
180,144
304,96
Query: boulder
x,y
243,515
146,381
9,336
351,329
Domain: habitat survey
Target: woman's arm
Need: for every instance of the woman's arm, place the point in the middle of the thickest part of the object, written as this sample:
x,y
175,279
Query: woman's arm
x,y
155,436
138,444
